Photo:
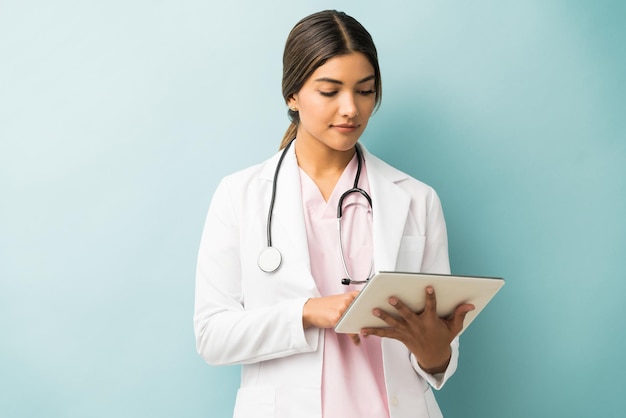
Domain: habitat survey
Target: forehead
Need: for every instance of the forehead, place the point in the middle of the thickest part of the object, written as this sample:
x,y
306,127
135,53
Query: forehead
x,y
348,69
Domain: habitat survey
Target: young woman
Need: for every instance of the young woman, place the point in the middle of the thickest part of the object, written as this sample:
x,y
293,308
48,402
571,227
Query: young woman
x,y
270,267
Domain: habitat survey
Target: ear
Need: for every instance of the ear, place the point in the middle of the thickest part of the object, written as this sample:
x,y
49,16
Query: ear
x,y
292,102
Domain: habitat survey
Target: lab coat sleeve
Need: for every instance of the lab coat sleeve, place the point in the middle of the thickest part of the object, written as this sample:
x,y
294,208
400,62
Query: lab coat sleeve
x,y
226,332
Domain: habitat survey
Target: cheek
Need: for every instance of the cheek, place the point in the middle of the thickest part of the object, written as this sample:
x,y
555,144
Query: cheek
x,y
315,112
367,107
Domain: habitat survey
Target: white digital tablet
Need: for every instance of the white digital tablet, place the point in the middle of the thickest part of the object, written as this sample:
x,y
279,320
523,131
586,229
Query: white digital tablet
x,y
451,291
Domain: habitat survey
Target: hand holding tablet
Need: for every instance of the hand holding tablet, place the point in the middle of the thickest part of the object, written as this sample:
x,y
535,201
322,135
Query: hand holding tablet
x,y
451,291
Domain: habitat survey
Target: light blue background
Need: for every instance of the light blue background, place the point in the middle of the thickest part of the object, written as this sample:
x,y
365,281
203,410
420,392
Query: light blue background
x,y
118,118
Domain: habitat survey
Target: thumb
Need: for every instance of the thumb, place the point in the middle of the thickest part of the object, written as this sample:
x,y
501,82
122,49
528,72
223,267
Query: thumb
x,y
459,317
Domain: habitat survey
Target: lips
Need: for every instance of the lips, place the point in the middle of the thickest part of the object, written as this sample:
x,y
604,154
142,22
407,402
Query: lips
x,y
345,128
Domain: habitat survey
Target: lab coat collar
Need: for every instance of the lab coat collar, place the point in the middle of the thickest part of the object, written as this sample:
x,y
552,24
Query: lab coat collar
x,y
288,216
390,208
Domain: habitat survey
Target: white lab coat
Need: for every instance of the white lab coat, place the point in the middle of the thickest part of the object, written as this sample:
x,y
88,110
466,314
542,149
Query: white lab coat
x,y
245,316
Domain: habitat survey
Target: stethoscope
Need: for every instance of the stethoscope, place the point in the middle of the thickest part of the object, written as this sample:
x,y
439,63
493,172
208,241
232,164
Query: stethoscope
x,y
270,258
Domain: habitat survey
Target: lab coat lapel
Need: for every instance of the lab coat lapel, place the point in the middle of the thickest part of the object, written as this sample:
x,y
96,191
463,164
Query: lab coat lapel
x,y
390,208
288,229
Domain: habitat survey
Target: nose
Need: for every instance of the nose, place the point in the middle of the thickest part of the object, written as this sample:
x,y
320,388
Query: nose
x,y
348,106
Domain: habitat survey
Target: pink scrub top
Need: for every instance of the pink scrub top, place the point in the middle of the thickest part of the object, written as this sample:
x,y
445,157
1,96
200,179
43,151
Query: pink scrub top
x,y
353,383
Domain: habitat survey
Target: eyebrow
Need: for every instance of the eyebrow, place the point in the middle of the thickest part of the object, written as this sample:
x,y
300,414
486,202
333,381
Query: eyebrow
x,y
332,80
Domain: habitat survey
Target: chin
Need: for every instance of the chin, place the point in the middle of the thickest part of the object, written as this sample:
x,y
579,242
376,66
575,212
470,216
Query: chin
x,y
344,142
343,146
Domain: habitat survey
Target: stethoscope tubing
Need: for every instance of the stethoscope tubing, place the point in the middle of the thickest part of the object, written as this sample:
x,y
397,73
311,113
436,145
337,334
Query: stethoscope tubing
x,y
270,258
273,198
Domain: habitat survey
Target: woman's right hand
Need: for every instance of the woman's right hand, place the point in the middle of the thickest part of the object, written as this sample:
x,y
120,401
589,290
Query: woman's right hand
x,y
324,312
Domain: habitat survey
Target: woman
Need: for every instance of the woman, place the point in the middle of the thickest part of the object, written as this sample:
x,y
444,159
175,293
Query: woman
x,y
274,312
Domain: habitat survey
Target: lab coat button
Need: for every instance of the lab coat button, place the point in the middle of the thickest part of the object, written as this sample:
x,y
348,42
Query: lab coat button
x,y
394,400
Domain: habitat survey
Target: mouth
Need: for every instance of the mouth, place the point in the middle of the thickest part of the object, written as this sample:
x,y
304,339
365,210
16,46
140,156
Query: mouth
x,y
345,127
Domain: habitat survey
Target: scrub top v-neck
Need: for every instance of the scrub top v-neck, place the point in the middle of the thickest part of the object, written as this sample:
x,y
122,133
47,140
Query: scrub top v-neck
x,y
348,370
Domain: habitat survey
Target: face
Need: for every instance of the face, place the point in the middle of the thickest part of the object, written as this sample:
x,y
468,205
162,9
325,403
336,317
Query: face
x,y
336,102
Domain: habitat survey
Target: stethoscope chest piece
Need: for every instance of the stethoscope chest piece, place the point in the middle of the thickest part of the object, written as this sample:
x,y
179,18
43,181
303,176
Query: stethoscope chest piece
x,y
269,259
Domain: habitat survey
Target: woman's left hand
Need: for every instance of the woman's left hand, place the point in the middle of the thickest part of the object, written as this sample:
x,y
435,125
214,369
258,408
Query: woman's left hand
x,y
426,335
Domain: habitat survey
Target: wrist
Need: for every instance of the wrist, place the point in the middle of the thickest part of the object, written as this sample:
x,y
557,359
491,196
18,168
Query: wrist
x,y
306,322
434,370
437,368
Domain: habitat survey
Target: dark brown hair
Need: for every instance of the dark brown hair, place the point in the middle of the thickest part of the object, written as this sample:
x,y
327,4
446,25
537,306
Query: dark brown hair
x,y
313,41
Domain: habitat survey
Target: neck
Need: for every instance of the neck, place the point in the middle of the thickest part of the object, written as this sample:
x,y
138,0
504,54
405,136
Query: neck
x,y
318,160
322,164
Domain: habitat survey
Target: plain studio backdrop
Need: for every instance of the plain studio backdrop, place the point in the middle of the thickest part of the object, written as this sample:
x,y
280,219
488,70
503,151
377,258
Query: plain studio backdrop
x,y
118,118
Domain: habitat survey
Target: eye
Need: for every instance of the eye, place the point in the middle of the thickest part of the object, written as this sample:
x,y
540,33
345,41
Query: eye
x,y
328,93
366,92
